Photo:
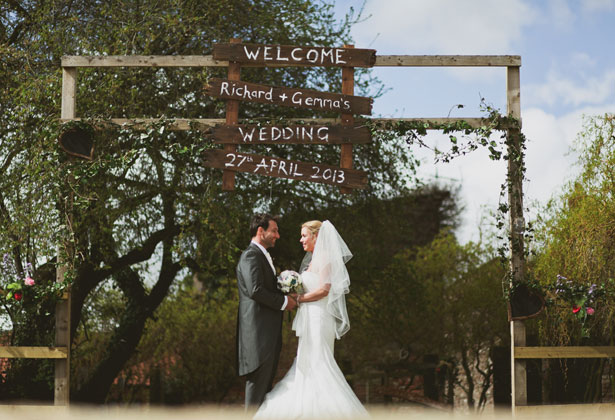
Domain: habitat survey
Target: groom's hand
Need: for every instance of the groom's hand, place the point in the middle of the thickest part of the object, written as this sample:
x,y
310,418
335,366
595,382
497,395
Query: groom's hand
x,y
292,304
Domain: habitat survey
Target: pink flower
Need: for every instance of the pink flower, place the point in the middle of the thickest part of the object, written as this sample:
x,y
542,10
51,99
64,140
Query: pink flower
x,y
590,311
29,281
575,309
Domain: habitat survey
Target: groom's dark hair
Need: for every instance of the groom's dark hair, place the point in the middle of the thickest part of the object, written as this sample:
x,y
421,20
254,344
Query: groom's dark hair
x,y
261,220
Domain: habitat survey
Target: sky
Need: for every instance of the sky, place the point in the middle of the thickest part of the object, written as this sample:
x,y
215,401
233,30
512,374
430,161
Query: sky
x,y
567,50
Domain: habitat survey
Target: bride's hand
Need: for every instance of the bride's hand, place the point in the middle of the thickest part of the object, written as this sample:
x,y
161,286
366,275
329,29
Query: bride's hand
x,y
297,297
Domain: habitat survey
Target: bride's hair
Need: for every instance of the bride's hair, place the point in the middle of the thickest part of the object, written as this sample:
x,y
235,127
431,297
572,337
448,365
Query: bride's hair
x,y
313,226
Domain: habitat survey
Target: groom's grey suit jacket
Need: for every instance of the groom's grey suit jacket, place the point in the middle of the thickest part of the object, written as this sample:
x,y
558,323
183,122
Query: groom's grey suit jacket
x,y
259,320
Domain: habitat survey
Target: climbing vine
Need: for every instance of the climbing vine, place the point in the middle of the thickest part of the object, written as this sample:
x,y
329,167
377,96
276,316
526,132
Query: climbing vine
x,y
501,136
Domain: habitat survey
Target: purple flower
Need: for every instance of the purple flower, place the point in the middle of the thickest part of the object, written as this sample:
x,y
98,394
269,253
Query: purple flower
x,y
6,262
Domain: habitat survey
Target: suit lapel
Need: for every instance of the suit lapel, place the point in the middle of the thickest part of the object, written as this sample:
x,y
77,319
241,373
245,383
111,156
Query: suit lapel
x,y
263,258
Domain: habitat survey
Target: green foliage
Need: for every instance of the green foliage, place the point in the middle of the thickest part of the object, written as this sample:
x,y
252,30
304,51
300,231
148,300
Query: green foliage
x,y
441,298
576,241
145,210
189,347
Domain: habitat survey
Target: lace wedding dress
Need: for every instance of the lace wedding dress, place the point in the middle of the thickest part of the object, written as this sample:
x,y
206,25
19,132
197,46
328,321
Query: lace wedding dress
x,y
315,387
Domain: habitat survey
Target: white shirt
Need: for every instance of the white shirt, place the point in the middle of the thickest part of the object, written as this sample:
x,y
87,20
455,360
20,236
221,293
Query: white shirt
x,y
262,248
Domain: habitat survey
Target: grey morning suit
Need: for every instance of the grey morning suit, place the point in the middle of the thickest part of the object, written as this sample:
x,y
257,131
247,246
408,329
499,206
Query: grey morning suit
x,y
259,324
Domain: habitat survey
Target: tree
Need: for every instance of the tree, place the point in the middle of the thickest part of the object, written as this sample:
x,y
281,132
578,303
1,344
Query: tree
x,y
145,211
441,299
575,237
575,264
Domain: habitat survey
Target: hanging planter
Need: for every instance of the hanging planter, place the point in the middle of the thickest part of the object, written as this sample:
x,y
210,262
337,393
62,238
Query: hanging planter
x,y
78,140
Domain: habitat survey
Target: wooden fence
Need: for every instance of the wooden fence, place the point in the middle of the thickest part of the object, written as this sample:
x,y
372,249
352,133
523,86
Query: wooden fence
x,y
60,352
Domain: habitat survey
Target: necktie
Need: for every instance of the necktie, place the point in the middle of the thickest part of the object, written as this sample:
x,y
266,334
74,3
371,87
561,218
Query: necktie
x,y
270,261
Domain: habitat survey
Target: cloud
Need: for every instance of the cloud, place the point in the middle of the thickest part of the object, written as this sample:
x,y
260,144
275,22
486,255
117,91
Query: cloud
x,y
559,14
598,5
549,160
582,60
445,27
559,89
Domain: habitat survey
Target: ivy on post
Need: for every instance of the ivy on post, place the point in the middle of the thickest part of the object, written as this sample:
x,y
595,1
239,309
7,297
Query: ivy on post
x,y
517,228
232,118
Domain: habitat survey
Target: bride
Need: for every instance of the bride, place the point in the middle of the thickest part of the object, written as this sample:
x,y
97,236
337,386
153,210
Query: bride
x,y
315,387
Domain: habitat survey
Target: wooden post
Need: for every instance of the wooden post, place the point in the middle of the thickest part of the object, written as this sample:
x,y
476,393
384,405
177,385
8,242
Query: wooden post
x,y
69,89
517,227
62,366
62,339
232,118
347,119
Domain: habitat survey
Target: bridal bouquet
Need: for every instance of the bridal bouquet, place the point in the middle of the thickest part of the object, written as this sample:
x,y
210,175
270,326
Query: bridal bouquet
x,y
290,282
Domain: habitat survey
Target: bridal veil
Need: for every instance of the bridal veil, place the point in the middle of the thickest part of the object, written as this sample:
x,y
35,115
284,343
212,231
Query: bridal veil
x,y
329,262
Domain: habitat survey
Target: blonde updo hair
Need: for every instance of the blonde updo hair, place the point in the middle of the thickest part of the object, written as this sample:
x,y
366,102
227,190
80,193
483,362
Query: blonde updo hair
x,y
313,226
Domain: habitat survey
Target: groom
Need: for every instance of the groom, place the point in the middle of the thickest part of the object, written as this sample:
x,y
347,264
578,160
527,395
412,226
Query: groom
x,y
259,320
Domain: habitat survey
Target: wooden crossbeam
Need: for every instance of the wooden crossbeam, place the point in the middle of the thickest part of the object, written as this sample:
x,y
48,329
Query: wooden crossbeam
x,y
447,60
208,61
568,352
567,411
20,352
181,124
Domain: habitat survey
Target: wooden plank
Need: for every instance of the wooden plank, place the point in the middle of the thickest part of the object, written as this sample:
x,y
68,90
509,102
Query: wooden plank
x,y
284,168
518,367
447,60
207,123
517,235
296,98
568,352
347,119
62,321
62,339
291,134
179,124
232,117
437,123
69,92
568,411
513,92
292,55
25,352
209,61
141,61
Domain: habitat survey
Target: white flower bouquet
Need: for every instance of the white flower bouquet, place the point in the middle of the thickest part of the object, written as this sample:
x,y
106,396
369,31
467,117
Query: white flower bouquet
x,y
290,282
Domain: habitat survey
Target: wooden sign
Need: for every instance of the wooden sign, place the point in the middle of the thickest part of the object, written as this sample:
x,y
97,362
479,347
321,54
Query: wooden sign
x,y
298,98
294,134
294,55
284,168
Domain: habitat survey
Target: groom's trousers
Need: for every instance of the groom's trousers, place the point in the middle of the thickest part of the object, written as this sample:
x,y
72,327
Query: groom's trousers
x,y
260,381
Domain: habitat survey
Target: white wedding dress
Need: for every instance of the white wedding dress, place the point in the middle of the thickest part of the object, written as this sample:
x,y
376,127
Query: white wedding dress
x,y
314,387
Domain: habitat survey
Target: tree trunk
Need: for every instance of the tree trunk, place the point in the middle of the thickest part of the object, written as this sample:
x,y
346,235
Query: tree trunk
x,y
122,345
469,389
